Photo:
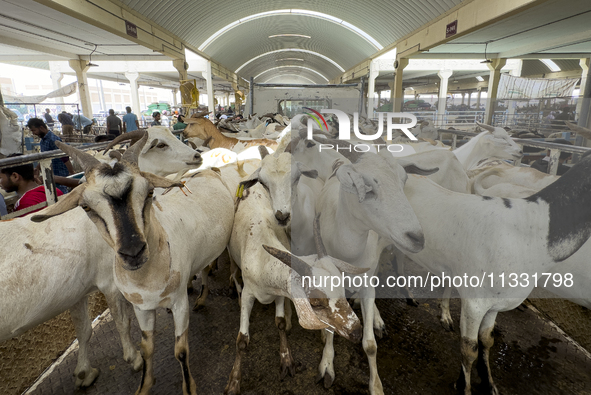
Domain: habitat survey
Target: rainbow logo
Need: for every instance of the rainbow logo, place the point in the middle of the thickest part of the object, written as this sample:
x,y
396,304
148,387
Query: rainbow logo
x,y
315,117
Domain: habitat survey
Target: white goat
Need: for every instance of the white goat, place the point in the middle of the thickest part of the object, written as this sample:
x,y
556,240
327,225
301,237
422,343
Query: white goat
x,y
157,251
163,154
484,237
268,280
78,265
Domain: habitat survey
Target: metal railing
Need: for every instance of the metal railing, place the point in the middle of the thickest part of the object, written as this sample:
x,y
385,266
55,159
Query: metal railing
x,y
555,148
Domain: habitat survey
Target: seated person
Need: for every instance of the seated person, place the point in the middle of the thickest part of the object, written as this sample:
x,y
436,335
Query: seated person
x,y
21,179
180,123
542,164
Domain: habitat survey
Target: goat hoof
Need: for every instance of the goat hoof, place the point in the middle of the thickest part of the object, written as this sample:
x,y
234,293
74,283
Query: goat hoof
x,y
198,306
380,332
448,325
233,388
412,302
86,380
328,379
138,363
287,366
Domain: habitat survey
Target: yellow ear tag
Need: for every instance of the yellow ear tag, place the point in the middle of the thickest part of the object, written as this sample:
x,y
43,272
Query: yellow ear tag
x,y
240,191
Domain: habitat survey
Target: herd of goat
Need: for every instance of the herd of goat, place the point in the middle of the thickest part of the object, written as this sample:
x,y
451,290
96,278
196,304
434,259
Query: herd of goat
x,y
286,210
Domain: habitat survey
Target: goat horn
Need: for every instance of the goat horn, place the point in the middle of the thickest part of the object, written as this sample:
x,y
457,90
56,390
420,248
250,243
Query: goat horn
x,y
320,249
297,264
133,136
86,160
132,153
579,129
487,127
263,151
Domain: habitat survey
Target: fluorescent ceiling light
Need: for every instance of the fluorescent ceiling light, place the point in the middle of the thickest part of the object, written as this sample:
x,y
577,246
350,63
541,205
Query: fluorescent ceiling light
x,y
479,78
289,35
293,50
280,60
313,14
551,65
299,67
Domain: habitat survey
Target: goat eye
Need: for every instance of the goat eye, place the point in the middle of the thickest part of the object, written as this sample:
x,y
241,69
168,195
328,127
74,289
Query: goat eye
x,y
310,144
151,193
85,207
161,145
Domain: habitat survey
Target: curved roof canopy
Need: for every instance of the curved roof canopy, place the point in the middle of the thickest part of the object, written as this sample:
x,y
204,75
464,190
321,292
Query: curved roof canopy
x,y
336,34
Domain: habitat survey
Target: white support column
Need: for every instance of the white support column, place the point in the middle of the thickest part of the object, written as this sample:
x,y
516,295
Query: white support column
x,y
133,76
210,94
584,63
442,104
493,86
374,71
469,99
56,79
463,98
174,99
397,93
181,66
80,67
478,99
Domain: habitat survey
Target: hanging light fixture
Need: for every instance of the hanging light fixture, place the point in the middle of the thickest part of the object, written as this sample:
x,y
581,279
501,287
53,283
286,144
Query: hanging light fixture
x,y
90,57
486,59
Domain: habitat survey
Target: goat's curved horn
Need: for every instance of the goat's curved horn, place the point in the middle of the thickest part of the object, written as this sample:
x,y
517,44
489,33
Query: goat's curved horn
x,y
301,267
579,129
133,136
487,127
86,160
132,154
263,151
115,155
320,249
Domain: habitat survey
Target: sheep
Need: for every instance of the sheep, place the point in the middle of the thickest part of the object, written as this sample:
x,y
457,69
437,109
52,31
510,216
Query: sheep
x,y
197,126
485,243
157,251
273,278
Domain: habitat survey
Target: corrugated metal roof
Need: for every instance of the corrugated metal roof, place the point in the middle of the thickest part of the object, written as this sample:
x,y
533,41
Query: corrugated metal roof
x,y
383,20
536,67
33,64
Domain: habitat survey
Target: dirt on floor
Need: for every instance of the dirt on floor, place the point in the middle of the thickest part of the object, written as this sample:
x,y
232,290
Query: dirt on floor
x,y
416,356
25,357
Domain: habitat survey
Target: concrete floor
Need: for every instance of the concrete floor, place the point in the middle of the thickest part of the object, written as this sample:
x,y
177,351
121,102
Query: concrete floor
x,y
417,356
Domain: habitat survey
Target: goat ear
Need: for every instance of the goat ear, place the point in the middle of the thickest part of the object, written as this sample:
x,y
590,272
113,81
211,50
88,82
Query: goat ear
x,y
149,147
66,204
160,182
352,182
412,168
191,120
305,171
251,180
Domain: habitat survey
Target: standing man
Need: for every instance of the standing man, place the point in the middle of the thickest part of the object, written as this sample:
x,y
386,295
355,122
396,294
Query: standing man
x,y
48,119
130,122
21,179
67,123
61,166
113,123
82,122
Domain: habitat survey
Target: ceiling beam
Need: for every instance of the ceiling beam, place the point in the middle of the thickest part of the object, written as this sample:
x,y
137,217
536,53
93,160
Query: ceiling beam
x,y
111,15
545,45
55,53
440,55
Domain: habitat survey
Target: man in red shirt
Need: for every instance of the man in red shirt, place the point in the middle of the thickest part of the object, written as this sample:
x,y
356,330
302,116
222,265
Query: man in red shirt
x,y
21,179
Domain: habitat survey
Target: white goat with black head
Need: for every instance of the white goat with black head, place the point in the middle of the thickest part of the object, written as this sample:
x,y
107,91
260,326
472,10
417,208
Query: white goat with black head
x,y
157,251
